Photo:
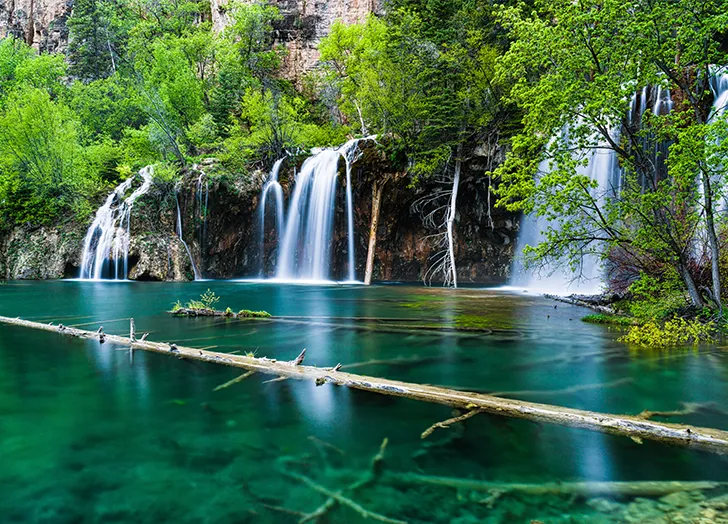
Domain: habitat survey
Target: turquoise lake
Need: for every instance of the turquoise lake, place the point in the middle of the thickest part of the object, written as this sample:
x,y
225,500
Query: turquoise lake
x,y
86,435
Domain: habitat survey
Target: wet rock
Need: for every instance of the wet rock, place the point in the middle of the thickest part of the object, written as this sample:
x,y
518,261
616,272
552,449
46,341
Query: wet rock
x,y
604,505
40,253
160,258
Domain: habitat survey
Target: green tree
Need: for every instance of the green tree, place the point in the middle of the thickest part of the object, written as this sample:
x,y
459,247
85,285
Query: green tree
x,y
42,166
575,66
98,31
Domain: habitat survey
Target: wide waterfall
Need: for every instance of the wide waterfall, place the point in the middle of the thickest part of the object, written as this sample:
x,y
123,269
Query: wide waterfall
x,y
106,245
306,236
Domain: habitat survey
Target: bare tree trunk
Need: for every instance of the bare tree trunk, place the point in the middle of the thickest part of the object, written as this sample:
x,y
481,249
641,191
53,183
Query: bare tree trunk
x,y
451,217
377,189
695,297
712,239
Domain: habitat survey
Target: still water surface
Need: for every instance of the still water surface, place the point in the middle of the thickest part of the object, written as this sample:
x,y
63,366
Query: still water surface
x,y
87,436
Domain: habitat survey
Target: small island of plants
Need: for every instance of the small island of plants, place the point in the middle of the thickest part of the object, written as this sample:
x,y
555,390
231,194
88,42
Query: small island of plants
x,y
205,306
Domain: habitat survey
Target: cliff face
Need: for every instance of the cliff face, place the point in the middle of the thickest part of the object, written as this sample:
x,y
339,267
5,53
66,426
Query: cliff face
x,y
41,23
304,23
220,224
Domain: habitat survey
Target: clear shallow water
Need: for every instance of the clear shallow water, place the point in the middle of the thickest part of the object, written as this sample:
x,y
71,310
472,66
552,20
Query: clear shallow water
x,y
87,437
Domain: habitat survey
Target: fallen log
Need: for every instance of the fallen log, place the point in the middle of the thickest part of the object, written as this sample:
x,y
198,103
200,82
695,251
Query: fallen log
x,y
649,488
634,427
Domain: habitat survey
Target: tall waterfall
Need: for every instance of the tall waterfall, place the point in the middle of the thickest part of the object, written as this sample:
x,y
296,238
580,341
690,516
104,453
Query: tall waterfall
x,y
554,279
272,185
202,199
106,244
181,239
307,234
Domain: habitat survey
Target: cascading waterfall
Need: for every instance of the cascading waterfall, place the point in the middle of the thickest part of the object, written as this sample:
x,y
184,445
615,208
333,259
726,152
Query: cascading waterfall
x,y
202,199
181,239
305,251
603,168
272,185
107,240
306,243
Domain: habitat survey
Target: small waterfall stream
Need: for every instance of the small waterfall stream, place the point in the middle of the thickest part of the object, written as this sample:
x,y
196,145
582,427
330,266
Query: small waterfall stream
x,y
106,243
181,239
202,196
272,185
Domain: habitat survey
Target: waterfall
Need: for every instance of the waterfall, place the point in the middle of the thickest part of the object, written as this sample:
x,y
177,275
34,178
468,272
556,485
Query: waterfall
x,y
351,153
271,185
107,240
305,249
202,199
603,168
181,239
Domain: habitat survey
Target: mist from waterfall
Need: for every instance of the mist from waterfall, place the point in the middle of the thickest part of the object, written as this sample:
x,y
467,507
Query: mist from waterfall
x,y
106,244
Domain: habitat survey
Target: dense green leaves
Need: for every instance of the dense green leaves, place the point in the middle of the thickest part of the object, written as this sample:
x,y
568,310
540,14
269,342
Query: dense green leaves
x,y
576,68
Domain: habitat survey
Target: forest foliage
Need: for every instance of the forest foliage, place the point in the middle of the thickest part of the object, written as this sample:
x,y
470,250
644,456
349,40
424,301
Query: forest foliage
x,y
551,82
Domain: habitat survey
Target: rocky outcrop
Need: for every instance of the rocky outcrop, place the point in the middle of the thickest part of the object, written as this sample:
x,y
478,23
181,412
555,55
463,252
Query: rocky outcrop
x,y
40,253
40,23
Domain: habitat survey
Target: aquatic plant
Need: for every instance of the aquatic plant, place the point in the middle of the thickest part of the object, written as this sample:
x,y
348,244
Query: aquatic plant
x,y
246,313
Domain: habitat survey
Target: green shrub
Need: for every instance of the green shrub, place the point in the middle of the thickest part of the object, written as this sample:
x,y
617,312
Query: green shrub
x,y
674,332
656,298
209,299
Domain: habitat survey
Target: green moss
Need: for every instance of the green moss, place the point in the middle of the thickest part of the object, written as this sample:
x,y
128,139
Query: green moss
x,y
599,318
246,313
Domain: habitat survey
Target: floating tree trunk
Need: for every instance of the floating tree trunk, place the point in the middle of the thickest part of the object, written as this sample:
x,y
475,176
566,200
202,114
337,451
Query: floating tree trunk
x,y
377,189
635,427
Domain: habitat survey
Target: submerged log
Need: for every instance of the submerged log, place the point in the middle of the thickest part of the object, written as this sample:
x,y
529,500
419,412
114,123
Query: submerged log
x,y
649,488
634,427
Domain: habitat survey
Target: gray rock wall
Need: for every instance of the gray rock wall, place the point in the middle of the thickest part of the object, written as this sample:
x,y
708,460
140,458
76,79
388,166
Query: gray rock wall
x,y
40,23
